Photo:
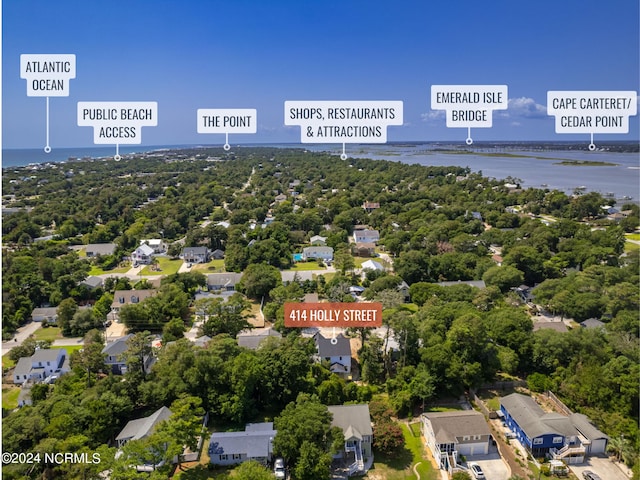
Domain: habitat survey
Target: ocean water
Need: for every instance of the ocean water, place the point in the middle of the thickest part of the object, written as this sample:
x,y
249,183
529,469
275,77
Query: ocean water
x,y
538,169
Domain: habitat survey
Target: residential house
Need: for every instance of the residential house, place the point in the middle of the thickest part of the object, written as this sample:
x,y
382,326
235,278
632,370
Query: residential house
x,y
100,249
127,297
449,435
142,255
366,236
142,427
92,282
318,241
254,443
253,338
195,254
592,323
472,283
114,353
364,249
336,351
322,253
370,206
355,422
372,265
524,292
158,245
223,281
50,314
280,198
40,366
217,254
557,436
403,288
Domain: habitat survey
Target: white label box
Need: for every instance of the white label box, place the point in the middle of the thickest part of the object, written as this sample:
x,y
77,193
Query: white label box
x,y
592,111
337,121
469,106
47,75
227,120
117,123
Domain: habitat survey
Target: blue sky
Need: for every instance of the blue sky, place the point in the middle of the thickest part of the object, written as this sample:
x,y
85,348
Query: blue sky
x,y
187,55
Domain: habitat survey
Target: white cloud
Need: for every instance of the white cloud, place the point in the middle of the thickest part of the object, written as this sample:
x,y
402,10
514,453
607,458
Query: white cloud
x,y
524,107
433,116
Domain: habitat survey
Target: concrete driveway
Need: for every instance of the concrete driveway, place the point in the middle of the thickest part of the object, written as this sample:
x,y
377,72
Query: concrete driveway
x,y
492,465
604,467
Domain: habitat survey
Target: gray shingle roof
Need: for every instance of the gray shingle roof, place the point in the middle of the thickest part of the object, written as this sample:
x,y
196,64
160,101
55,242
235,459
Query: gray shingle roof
x,y
254,441
473,283
533,421
117,347
23,367
586,428
448,427
46,355
254,337
354,420
142,427
327,349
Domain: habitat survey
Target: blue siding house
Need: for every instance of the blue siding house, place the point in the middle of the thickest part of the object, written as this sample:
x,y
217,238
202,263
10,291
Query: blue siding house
x,y
550,434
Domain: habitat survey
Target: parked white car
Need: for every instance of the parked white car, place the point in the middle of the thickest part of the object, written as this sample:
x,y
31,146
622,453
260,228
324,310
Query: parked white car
x,y
279,470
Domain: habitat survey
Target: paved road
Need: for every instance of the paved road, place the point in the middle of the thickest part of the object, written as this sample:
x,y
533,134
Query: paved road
x,y
20,336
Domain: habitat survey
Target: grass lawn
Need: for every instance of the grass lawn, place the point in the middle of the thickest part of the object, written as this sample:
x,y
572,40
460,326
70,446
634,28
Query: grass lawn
x,y
165,266
630,247
214,266
10,397
98,271
48,333
69,348
301,266
400,466
7,362
632,236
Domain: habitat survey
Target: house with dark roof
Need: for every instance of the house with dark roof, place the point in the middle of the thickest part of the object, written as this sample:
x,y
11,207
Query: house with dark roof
x,y
556,436
355,422
142,427
195,254
336,351
45,363
92,282
254,443
100,249
223,281
114,356
253,338
449,435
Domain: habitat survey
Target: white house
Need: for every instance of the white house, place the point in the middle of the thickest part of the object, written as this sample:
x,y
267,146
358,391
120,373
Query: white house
x,y
366,236
157,244
50,314
323,253
336,351
254,443
143,254
42,364
127,297
451,434
372,265
355,422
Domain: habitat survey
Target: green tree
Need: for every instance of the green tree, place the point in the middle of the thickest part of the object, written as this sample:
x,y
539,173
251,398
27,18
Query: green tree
x,y
305,421
387,437
504,277
66,310
313,464
259,279
184,426
252,470
224,317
